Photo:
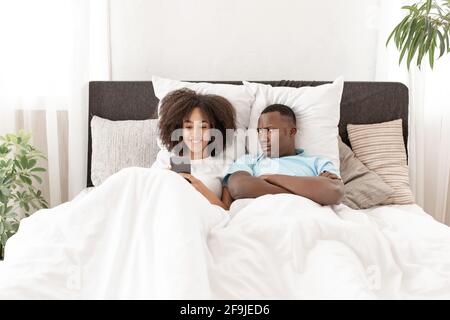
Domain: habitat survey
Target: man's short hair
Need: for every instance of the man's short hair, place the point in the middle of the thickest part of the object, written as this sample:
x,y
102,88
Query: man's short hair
x,y
282,109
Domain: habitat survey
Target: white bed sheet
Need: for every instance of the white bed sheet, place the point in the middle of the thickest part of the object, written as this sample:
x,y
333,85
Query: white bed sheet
x,y
148,234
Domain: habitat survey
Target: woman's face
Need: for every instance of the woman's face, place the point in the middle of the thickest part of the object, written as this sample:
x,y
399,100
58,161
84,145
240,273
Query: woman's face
x,y
196,133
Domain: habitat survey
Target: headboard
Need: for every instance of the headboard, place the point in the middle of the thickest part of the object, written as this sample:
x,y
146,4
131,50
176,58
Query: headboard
x,y
362,103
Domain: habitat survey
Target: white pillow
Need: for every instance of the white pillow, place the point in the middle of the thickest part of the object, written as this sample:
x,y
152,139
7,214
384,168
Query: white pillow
x,y
238,95
317,110
121,144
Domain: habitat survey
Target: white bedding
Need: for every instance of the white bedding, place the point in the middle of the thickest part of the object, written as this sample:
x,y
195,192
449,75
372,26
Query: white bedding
x,y
147,234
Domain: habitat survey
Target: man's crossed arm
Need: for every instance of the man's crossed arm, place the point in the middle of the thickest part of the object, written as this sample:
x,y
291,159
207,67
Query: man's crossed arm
x,y
326,189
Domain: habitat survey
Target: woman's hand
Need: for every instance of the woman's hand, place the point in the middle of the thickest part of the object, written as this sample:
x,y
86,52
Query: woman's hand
x,y
208,194
196,183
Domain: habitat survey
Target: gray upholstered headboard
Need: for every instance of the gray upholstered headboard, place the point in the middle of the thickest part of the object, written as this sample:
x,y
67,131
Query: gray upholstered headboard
x,y
362,103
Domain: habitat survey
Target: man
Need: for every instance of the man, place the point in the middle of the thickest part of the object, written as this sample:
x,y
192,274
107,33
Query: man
x,y
283,169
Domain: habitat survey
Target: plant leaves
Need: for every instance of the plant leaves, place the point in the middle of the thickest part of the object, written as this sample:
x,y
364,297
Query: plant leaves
x,y
24,162
413,47
431,54
17,164
447,31
425,29
428,5
38,179
26,206
31,163
410,32
441,43
26,179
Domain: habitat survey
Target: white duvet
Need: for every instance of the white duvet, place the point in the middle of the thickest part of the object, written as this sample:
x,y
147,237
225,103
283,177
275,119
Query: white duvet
x,y
147,234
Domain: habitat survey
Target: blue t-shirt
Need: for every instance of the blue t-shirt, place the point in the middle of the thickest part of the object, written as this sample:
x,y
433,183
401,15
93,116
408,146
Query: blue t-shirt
x,y
298,165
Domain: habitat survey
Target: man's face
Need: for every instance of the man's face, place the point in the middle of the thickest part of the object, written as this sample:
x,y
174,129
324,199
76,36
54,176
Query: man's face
x,y
276,134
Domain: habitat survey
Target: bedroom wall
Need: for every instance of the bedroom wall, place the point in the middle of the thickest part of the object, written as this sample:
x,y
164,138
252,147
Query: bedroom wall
x,y
243,39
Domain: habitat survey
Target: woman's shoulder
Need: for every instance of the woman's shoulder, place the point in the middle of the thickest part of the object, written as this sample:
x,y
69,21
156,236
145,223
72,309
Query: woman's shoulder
x,y
162,159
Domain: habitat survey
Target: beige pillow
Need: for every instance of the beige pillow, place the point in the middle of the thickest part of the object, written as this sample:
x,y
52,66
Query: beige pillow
x,y
381,148
363,188
121,144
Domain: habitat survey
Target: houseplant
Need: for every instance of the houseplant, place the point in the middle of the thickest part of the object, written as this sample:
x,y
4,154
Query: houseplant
x,y
424,30
19,174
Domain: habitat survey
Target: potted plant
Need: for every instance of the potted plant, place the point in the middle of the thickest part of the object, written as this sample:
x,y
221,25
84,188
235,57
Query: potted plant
x,y
424,30
19,174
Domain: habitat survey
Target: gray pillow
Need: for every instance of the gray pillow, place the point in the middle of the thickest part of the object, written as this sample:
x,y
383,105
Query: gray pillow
x,y
121,144
363,187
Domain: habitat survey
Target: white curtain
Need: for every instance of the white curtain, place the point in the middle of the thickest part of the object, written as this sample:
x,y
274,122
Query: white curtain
x,y
50,50
429,115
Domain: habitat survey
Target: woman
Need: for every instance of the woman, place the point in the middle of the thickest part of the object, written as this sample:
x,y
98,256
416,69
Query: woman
x,y
197,117
143,233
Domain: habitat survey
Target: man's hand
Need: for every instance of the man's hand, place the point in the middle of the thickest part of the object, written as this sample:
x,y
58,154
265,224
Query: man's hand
x,y
326,189
326,174
330,175
265,177
243,185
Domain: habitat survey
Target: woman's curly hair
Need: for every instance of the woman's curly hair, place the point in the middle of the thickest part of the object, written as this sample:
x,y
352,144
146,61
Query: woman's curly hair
x,y
178,105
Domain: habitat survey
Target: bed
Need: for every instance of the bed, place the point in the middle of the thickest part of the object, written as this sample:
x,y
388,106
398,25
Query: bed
x,y
127,238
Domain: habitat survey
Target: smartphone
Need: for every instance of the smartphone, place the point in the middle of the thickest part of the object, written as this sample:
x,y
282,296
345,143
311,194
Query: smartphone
x,y
180,164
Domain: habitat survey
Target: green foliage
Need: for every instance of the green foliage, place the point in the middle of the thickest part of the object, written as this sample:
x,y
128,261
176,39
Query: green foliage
x,y
19,174
424,31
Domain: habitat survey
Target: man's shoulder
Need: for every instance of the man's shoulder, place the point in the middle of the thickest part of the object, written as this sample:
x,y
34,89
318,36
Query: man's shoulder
x,y
248,159
312,158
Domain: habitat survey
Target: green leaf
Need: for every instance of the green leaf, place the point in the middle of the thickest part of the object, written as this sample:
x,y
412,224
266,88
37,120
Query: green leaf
x,y
424,48
4,150
410,8
428,5
398,34
26,179
26,206
414,45
32,163
17,164
24,162
11,138
38,169
5,191
38,179
441,43
397,28
404,34
390,36
431,54
3,239
447,31
402,54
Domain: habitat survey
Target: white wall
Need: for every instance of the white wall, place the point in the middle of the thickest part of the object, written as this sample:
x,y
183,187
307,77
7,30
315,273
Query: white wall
x,y
243,39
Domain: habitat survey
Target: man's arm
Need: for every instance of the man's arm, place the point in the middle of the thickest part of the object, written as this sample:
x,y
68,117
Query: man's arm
x,y
243,185
326,189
